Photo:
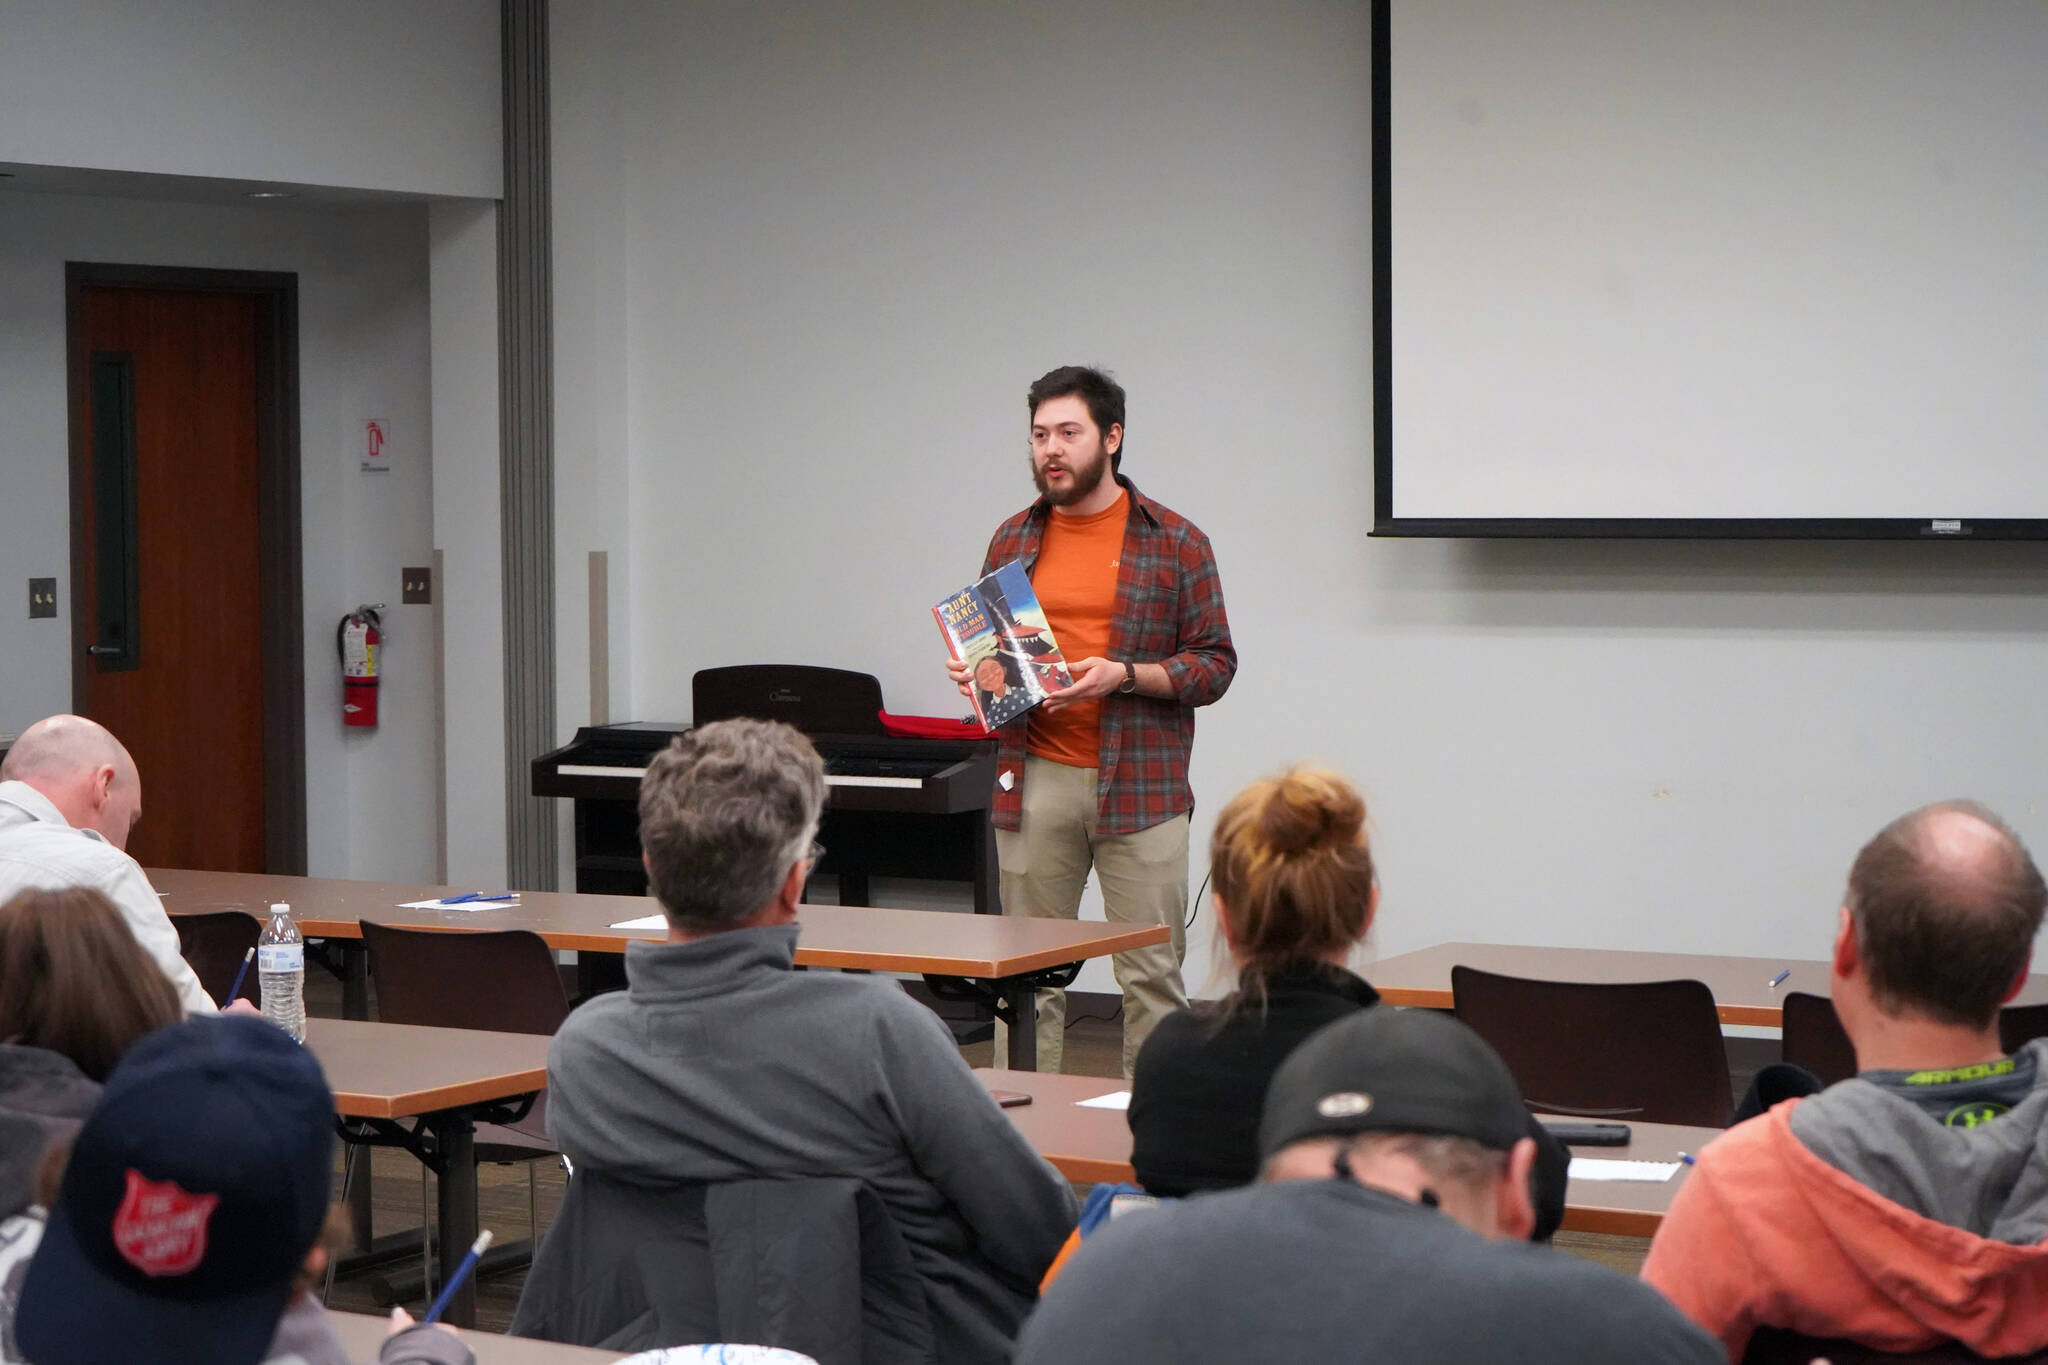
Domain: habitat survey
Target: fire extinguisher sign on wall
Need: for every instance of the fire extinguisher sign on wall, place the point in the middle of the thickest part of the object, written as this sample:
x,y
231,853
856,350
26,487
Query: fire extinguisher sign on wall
x,y
357,639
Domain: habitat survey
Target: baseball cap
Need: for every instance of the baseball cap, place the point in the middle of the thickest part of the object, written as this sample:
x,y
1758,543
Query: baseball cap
x,y
193,1193
1398,1071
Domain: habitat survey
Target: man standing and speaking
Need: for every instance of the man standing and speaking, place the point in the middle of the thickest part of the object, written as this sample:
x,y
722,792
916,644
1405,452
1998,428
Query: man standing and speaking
x,y
1098,774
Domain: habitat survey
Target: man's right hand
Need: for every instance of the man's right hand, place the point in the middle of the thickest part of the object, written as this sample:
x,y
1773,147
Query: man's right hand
x,y
962,679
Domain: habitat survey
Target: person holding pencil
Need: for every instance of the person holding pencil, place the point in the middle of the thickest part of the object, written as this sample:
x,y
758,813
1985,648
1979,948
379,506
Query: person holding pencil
x,y
188,1223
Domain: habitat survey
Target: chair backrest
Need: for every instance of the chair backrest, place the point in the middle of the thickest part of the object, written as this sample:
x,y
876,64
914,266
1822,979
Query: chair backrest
x,y
213,945
1814,1038
2019,1025
503,979
1776,1346
1650,1050
813,1265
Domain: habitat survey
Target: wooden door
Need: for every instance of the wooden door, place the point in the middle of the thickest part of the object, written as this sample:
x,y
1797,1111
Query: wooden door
x,y
169,570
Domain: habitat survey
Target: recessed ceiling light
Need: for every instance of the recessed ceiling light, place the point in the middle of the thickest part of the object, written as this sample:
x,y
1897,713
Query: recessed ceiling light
x,y
270,194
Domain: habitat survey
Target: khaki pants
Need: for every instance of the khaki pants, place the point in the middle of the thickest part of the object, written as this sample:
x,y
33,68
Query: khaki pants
x,y
1144,880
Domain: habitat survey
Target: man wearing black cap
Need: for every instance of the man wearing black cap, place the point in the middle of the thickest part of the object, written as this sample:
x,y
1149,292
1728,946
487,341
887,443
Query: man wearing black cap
x,y
1389,1227
193,1198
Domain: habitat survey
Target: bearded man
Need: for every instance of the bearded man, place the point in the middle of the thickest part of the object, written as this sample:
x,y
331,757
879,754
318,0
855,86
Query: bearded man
x,y
1097,776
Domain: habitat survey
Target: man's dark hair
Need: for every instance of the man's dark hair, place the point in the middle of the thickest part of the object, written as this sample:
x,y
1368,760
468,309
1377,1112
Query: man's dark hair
x,y
1944,929
1103,395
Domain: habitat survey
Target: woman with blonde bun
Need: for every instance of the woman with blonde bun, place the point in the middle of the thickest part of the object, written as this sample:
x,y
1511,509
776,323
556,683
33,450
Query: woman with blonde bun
x,y
1294,889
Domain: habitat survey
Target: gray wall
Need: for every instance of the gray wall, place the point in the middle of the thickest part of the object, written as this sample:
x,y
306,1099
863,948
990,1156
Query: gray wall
x,y
374,106
389,95
839,241
363,348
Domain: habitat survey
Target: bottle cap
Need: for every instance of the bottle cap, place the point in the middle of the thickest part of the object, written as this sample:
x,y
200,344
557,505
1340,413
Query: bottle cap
x,y
280,908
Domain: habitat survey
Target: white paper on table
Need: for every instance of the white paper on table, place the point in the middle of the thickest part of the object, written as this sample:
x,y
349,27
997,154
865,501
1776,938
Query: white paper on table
x,y
1116,1099
460,905
644,922
1601,1168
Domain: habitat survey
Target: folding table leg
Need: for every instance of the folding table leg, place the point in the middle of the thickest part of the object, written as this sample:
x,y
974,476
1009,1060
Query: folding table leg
x,y
455,1159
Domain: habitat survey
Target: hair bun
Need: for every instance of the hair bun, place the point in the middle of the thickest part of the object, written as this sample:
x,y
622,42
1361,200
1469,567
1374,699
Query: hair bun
x,y
1310,809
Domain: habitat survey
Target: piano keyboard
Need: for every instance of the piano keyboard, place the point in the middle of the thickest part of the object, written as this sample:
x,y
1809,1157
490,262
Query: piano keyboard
x,y
831,779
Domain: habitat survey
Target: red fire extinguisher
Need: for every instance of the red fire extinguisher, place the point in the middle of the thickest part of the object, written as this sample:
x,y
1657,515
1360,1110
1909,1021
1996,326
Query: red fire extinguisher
x,y
357,639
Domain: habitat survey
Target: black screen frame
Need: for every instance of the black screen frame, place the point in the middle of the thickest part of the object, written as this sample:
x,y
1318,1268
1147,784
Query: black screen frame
x,y
1388,522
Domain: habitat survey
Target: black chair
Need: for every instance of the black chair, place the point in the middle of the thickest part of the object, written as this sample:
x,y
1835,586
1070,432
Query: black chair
x,y
1776,1346
214,944
505,981
813,1265
1650,1051
1814,1038
2019,1025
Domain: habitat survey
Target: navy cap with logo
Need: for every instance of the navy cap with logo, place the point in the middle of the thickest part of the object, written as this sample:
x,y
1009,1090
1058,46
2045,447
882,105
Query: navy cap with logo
x,y
193,1194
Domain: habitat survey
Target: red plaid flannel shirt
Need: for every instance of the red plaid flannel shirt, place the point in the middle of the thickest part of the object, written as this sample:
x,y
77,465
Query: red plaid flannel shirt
x,y
1169,611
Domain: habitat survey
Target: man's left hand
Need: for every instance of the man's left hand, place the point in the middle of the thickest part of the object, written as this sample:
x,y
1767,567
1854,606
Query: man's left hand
x,y
1093,678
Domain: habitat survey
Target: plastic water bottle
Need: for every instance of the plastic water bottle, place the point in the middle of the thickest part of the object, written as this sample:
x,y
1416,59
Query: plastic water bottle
x,y
281,970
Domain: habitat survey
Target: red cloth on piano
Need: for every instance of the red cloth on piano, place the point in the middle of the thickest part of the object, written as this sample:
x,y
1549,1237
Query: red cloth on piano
x,y
930,727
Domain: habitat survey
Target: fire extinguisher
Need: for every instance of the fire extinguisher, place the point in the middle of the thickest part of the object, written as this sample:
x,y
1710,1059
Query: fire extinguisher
x,y
357,639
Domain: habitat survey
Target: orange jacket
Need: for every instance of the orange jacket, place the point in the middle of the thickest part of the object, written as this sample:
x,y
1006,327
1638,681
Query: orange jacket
x,y
1765,1234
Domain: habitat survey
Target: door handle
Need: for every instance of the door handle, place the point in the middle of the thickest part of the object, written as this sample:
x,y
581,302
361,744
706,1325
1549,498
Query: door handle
x,y
104,651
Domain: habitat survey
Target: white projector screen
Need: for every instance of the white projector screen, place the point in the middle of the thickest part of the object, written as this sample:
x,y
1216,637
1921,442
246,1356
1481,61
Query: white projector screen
x,y
1727,267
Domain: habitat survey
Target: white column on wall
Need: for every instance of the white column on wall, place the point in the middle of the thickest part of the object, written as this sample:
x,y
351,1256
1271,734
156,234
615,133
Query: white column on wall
x,y
592,351
463,286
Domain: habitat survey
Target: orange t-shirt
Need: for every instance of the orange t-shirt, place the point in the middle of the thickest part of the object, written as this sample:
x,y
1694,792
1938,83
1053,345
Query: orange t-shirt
x,y
1075,582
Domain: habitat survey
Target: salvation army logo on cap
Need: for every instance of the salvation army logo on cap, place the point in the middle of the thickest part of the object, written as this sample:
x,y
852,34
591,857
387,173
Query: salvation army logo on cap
x,y
160,1229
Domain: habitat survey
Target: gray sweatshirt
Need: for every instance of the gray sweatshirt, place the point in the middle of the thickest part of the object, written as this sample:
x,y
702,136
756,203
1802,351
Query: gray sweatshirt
x,y
719,1062
1988,1178
1327,1271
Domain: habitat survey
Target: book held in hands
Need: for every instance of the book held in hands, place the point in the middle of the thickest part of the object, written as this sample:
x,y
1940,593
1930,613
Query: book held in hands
x,y
996,627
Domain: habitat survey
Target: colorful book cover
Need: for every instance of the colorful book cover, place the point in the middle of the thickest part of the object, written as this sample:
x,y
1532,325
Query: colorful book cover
x,y
997,628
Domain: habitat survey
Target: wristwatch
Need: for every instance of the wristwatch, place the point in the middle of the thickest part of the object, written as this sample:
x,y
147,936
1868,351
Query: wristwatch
x,y
1130,682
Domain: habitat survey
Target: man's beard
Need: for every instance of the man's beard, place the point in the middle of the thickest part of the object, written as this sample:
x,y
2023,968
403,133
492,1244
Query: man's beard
x,y
1082,480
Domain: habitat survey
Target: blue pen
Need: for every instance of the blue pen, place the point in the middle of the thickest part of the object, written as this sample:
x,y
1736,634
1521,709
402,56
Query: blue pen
x,y
1780,977
240,972
466,897
476,1249
1687,1158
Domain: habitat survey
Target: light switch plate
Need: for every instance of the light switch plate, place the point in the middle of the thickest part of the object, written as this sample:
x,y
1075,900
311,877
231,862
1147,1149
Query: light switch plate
x,y
42,598
417,587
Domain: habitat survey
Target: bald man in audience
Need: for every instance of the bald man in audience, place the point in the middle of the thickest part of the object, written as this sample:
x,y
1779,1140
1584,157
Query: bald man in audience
x,y
69,795
1907,1206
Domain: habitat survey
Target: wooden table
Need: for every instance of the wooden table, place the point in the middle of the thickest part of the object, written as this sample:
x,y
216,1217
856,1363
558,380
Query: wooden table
x,y
363,1336
1009,957
1088,1145
1741,985
446,1078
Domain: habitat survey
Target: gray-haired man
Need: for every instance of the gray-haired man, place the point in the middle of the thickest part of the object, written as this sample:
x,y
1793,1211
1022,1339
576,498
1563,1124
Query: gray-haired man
x,y
721,1063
